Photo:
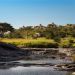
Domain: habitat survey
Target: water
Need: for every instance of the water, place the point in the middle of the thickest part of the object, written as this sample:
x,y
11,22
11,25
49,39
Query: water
x,y
19,69
31,71
53,61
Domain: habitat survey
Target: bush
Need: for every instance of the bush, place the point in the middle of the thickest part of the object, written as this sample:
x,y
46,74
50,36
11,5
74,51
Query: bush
x,y
57,39
67,43
15,35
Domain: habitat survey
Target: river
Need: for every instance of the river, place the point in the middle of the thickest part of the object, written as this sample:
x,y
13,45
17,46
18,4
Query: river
x,y
20,68
32,71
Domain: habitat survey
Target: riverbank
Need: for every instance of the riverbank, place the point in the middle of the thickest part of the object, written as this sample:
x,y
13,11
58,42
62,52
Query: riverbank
x,y
68,42
32,43
9,53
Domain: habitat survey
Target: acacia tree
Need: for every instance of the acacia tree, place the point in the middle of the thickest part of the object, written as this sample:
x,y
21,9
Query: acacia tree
x,y
6,27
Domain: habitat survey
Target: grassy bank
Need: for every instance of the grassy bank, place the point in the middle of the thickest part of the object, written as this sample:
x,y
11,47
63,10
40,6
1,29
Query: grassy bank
x,y
68,42
38,43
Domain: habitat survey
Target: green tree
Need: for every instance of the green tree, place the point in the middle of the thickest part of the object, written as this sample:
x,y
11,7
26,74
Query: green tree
x,y
6,27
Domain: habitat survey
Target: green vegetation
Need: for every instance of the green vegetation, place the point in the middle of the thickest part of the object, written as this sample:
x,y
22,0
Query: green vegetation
x,y
61,35
68,42
5,27
40,42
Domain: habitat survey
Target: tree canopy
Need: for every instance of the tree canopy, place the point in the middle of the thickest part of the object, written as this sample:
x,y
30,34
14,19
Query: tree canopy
x,y
6,27
52,30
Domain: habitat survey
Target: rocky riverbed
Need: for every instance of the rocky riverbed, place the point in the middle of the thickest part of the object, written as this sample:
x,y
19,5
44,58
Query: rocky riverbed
x,y
10,53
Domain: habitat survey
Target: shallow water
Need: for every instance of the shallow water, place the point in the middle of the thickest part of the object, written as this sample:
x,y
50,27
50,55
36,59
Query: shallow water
x,y
17,69
32,71
53,61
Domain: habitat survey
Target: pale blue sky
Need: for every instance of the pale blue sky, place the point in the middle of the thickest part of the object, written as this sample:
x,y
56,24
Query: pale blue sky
x,y
35,12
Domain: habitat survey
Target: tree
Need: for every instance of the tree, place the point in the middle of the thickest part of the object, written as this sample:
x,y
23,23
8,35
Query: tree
x,y
26,32
6,27
52,30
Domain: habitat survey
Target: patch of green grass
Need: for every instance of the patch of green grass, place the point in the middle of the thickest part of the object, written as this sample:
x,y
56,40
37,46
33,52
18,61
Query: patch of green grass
x,y
34,43
68,42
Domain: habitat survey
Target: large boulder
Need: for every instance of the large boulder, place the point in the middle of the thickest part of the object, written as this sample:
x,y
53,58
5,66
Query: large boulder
x,y
9,52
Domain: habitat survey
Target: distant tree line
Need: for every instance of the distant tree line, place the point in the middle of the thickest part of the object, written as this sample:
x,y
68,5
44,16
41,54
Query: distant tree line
x,y
51,31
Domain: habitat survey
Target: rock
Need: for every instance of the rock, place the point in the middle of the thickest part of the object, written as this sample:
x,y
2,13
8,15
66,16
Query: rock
x,y
73,73
9,52
65,67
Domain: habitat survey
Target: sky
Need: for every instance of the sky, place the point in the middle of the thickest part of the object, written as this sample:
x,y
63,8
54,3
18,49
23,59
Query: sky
x,y
34,12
